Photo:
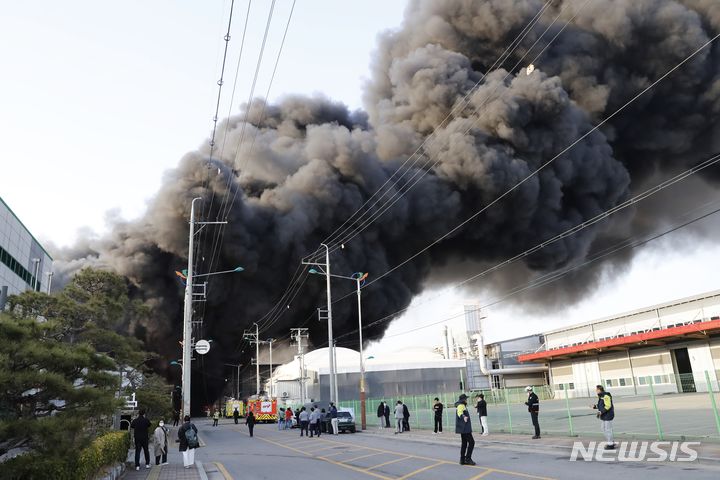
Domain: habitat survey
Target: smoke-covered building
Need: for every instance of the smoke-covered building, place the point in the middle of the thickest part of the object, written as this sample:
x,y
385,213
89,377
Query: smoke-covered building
x,y
24,263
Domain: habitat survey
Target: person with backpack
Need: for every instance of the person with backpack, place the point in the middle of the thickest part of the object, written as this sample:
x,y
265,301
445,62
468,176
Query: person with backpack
x,y
463,426
141,431
481,408
250,422
188,436
438,409
606,413
406,418
160,443
533,404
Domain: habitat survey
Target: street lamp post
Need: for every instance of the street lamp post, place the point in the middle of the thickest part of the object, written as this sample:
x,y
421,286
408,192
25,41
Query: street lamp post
x,y
359,279
237,381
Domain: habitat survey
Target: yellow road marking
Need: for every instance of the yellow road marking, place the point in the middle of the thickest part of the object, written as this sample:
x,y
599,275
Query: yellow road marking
x,y
364,456
389,462
420,457
224,471
483,474
420,470
333,454
328,460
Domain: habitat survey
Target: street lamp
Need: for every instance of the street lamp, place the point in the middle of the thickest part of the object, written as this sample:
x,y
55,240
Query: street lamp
x,y
359,279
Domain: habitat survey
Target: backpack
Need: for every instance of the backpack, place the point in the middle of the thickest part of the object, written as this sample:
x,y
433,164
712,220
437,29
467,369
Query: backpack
x,y
191,437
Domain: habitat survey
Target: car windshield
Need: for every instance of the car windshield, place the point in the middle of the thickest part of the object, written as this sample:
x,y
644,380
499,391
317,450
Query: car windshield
x,y
344,415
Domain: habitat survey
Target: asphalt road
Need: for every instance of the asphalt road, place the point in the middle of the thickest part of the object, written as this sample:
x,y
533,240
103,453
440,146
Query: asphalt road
x,y
229,453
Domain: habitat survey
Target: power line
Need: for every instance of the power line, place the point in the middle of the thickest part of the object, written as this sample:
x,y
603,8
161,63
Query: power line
x,y
543,166
458,107
567,233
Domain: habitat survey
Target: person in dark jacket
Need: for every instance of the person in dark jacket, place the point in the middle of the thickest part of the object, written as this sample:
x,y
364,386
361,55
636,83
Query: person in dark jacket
x,y
381,415
481,408
406,418
141,432
387,415
606,413
438,409
463,426
250,422
187,448
176,418
533,404
236,415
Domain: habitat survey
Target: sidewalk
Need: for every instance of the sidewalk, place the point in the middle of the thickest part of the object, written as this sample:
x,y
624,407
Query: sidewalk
x,y
174,470
708,451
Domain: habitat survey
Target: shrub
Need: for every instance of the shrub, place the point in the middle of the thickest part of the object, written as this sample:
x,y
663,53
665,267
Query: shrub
x,y
102,452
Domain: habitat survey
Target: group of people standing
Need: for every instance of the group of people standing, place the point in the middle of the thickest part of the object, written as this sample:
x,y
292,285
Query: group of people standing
x,y
310,422
187,437
401,414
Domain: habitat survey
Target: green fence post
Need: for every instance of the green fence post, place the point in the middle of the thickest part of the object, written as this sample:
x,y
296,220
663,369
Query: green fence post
x,y
507,403
567,406
446,410
712,401
655,410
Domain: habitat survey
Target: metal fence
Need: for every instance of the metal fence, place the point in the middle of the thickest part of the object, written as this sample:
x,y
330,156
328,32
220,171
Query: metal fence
x,y
651,415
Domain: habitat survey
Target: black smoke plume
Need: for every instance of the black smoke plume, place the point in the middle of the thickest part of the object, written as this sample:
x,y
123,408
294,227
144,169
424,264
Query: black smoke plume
x,y
306,163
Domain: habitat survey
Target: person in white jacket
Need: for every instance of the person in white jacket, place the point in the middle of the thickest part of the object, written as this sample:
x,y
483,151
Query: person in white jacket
x,y
399,416
160,441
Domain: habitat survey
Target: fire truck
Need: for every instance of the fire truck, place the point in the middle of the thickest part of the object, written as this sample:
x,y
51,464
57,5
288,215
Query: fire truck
x,y
231,405
264,409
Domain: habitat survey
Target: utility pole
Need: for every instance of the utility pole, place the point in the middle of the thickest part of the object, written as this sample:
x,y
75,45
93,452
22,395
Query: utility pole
x,y
254,338
237,380
187,312
322,316
331,343
363,422
270,341
300,334
49,282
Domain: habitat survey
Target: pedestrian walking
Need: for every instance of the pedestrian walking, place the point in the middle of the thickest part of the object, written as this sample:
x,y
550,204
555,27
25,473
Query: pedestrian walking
x,y
334,418
160,443
481,408
406,418
250,422
216,417
176,418
141,432
606,413
188,436
463,426
288,418
281,419
533,404
399,417
438,409
387,415
297,416
236,415
303,420
381,415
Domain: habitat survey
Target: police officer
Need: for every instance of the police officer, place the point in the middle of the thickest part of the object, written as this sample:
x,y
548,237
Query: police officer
x,y
463,426
606,413
533,404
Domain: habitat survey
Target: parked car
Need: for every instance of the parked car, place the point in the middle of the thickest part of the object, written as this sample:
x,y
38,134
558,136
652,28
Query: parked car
x,y
346,423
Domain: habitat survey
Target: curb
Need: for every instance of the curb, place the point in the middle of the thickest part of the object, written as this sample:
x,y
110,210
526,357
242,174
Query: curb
x,y
201,470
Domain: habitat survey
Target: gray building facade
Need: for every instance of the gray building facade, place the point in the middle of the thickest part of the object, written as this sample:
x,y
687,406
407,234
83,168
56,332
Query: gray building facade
x,y
24,263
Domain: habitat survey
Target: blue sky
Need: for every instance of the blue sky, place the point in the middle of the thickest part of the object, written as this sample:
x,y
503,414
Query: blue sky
x,y
99,99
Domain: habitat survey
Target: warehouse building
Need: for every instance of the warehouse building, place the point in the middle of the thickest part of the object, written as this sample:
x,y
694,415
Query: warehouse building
x,y
24,263
672,347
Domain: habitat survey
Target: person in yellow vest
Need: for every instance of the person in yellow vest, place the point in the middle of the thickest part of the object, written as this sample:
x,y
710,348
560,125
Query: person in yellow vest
x,y
216,417
606,413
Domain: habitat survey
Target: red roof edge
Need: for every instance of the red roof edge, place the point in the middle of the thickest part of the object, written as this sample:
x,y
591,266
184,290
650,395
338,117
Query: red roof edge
x,y
630,339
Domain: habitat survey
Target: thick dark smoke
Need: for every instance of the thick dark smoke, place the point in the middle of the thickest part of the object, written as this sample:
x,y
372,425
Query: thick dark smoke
x,y
309,162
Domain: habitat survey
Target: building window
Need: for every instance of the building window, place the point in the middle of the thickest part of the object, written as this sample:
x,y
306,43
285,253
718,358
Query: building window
x,y
622,382
642,381
608,383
